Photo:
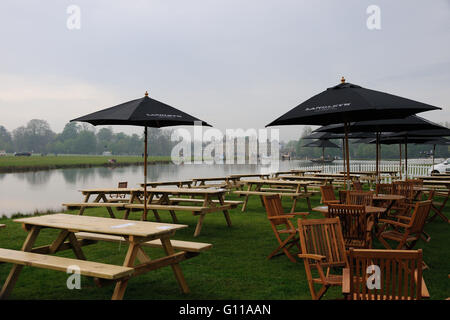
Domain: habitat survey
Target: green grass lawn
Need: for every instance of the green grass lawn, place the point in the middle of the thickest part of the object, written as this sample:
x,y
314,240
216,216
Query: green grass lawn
x,y
12,163
235,268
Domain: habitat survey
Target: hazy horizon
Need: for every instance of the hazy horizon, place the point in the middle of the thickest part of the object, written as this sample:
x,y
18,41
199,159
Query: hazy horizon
x,y
233,64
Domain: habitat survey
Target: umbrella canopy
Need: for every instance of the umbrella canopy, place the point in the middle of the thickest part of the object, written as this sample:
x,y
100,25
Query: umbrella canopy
x,y
330,135
146,112
141,112
347,102
415,123
388,125
443,132
321,144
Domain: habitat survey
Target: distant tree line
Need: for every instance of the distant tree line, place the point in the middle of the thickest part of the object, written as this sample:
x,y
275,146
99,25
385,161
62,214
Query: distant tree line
x,y
362,151
37,137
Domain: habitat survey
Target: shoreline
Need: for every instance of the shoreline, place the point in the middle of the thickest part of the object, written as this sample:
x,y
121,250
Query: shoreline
x,y
50,166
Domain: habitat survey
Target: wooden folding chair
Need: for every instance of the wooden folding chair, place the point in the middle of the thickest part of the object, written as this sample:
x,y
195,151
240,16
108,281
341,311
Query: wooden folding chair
x,y
357,186
408,231
328,196
385,275
322,246
278,218
438,207
384,188
360,198
356,224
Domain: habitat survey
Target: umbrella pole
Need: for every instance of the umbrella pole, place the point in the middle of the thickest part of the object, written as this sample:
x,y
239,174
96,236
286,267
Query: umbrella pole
x,y
145,175
377,157
432,166
400,170
347,155
323,159
343,155
406,158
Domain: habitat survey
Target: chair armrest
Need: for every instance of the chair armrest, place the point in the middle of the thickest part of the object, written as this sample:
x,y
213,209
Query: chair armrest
x,y
331,201
311,256
394,223
299,213
284,216
370,225
346,281
403,217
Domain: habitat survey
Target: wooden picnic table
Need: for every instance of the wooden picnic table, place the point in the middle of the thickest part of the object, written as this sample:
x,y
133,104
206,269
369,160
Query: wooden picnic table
x,y
179,183
307,178
209,199
369,210
136,234
220,182
293,190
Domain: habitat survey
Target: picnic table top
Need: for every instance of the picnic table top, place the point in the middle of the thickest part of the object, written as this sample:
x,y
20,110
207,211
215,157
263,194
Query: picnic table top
x,y
102,225
295,177
162,183
281,182
369,209
249,175
211,179
443,177
437,182
382,196
111,190
187,190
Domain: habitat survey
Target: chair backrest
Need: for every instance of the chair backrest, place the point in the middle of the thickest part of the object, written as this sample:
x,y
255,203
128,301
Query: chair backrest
x,y
360,198
274,208
323,237
123,184
357,185
353,220
403,188
343,196
419,216
327,192
399,271
384,188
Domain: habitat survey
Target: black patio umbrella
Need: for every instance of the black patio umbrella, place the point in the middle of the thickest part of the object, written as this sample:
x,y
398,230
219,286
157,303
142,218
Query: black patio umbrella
x,y
417,140
322,144
347,102
388,125
329,136
146,112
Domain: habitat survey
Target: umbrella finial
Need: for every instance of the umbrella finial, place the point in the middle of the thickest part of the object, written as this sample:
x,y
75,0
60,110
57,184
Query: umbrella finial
x,y
342,79
146,93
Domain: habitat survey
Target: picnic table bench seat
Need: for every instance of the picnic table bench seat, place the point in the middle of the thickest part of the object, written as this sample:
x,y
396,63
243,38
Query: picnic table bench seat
x,y
87,268
177,200
280,193
2,226
188,246
94,204
167,207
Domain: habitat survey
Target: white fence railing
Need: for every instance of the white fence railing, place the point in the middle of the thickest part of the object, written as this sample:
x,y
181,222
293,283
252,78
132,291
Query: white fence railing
x,y
416,167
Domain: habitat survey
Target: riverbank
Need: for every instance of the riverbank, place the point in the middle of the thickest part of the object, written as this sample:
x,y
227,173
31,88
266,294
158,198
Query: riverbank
x,y
10,164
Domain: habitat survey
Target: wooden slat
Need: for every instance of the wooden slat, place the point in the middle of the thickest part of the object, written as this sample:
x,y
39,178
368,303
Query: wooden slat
x,y
176,244
144,229
87,268
95,204
167,207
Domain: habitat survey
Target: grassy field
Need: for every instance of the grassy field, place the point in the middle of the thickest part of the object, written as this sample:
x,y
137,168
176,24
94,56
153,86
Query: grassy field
x,y
235,268
36,162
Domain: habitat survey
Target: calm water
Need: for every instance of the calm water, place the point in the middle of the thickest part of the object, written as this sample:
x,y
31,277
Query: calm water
x,y
27,192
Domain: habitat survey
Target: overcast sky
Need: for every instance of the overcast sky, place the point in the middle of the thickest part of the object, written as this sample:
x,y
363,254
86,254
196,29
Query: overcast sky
x,y
234,64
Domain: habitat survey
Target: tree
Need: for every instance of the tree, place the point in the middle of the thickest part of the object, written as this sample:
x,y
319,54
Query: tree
x,y
5,140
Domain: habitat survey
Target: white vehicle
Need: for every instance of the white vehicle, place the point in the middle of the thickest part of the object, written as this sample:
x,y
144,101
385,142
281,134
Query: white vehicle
x,y
2,153
443,167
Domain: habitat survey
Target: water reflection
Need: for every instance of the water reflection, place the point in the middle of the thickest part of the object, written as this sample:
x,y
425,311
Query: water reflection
x,y
27,192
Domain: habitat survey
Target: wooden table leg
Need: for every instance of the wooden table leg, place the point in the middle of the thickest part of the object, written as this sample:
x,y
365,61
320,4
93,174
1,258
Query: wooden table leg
x,y
15,270
198,228
175,267
130,258
225,212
